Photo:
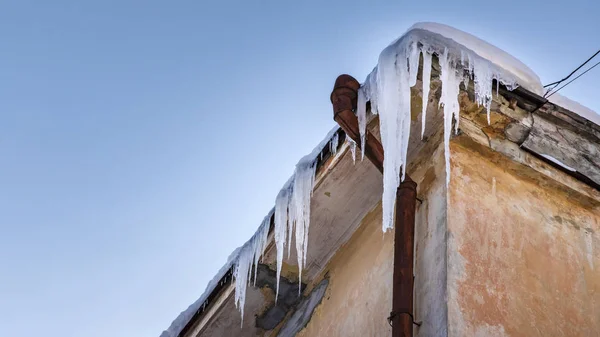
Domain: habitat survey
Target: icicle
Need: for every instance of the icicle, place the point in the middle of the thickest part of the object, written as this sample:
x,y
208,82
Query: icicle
x,y
389,87
426,86
261,242
352,145
388,90
361,113
471,65
449,100
396,71
371,91
367,92
483,78
300,208
497,86
281,224
249,254
241,272
333,144
292,206
290,226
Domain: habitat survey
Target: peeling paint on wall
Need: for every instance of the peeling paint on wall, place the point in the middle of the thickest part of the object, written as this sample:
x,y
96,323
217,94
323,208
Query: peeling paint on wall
x,y
304,311
521,262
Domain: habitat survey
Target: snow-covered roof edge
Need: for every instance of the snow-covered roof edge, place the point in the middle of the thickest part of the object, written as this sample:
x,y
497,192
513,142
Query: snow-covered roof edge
x,y
463,58
575,107
525,76
185,316
257,243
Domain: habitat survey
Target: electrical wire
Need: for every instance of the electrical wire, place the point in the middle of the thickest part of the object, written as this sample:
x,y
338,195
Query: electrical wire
x,y
555,84
578,76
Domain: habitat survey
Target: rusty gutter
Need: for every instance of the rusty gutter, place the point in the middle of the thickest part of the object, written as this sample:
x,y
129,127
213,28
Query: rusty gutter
x,y
343,99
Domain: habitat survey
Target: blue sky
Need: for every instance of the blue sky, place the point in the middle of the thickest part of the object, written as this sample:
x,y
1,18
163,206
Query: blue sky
x,y
143,141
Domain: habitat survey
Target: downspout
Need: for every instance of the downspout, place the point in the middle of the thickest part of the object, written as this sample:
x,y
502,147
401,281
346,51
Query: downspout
x,y
343,99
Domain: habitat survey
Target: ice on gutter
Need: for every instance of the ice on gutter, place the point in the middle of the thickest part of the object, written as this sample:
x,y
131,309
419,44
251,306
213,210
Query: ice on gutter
x,y
292,211
185,316
292,206
241,260
250,254
462,58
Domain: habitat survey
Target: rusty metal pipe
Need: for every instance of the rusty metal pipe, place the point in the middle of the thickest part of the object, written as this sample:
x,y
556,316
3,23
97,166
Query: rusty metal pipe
x,y
343,98
404,240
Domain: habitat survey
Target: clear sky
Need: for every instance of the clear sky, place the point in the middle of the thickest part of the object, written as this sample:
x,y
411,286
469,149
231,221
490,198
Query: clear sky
x,y
143,141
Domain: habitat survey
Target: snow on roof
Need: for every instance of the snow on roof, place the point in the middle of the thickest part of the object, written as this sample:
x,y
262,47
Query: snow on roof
x,y
575,107
462,58
185,316
527,78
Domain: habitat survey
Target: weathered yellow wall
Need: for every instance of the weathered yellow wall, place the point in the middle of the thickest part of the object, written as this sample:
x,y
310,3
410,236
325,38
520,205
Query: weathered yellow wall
x,y
523,251
358,298
510,253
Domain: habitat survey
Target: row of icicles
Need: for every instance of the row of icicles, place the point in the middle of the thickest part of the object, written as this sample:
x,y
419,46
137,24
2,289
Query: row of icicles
x,y
388,90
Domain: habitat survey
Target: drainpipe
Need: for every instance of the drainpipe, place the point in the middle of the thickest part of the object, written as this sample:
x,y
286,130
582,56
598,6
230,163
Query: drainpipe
x,y
401,316
343,98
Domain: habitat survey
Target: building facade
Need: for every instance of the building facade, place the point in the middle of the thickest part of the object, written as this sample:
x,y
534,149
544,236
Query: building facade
x,y
509,246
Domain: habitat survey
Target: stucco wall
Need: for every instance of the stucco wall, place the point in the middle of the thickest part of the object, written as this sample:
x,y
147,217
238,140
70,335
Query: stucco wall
x,y
430,247
358,299
523,250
